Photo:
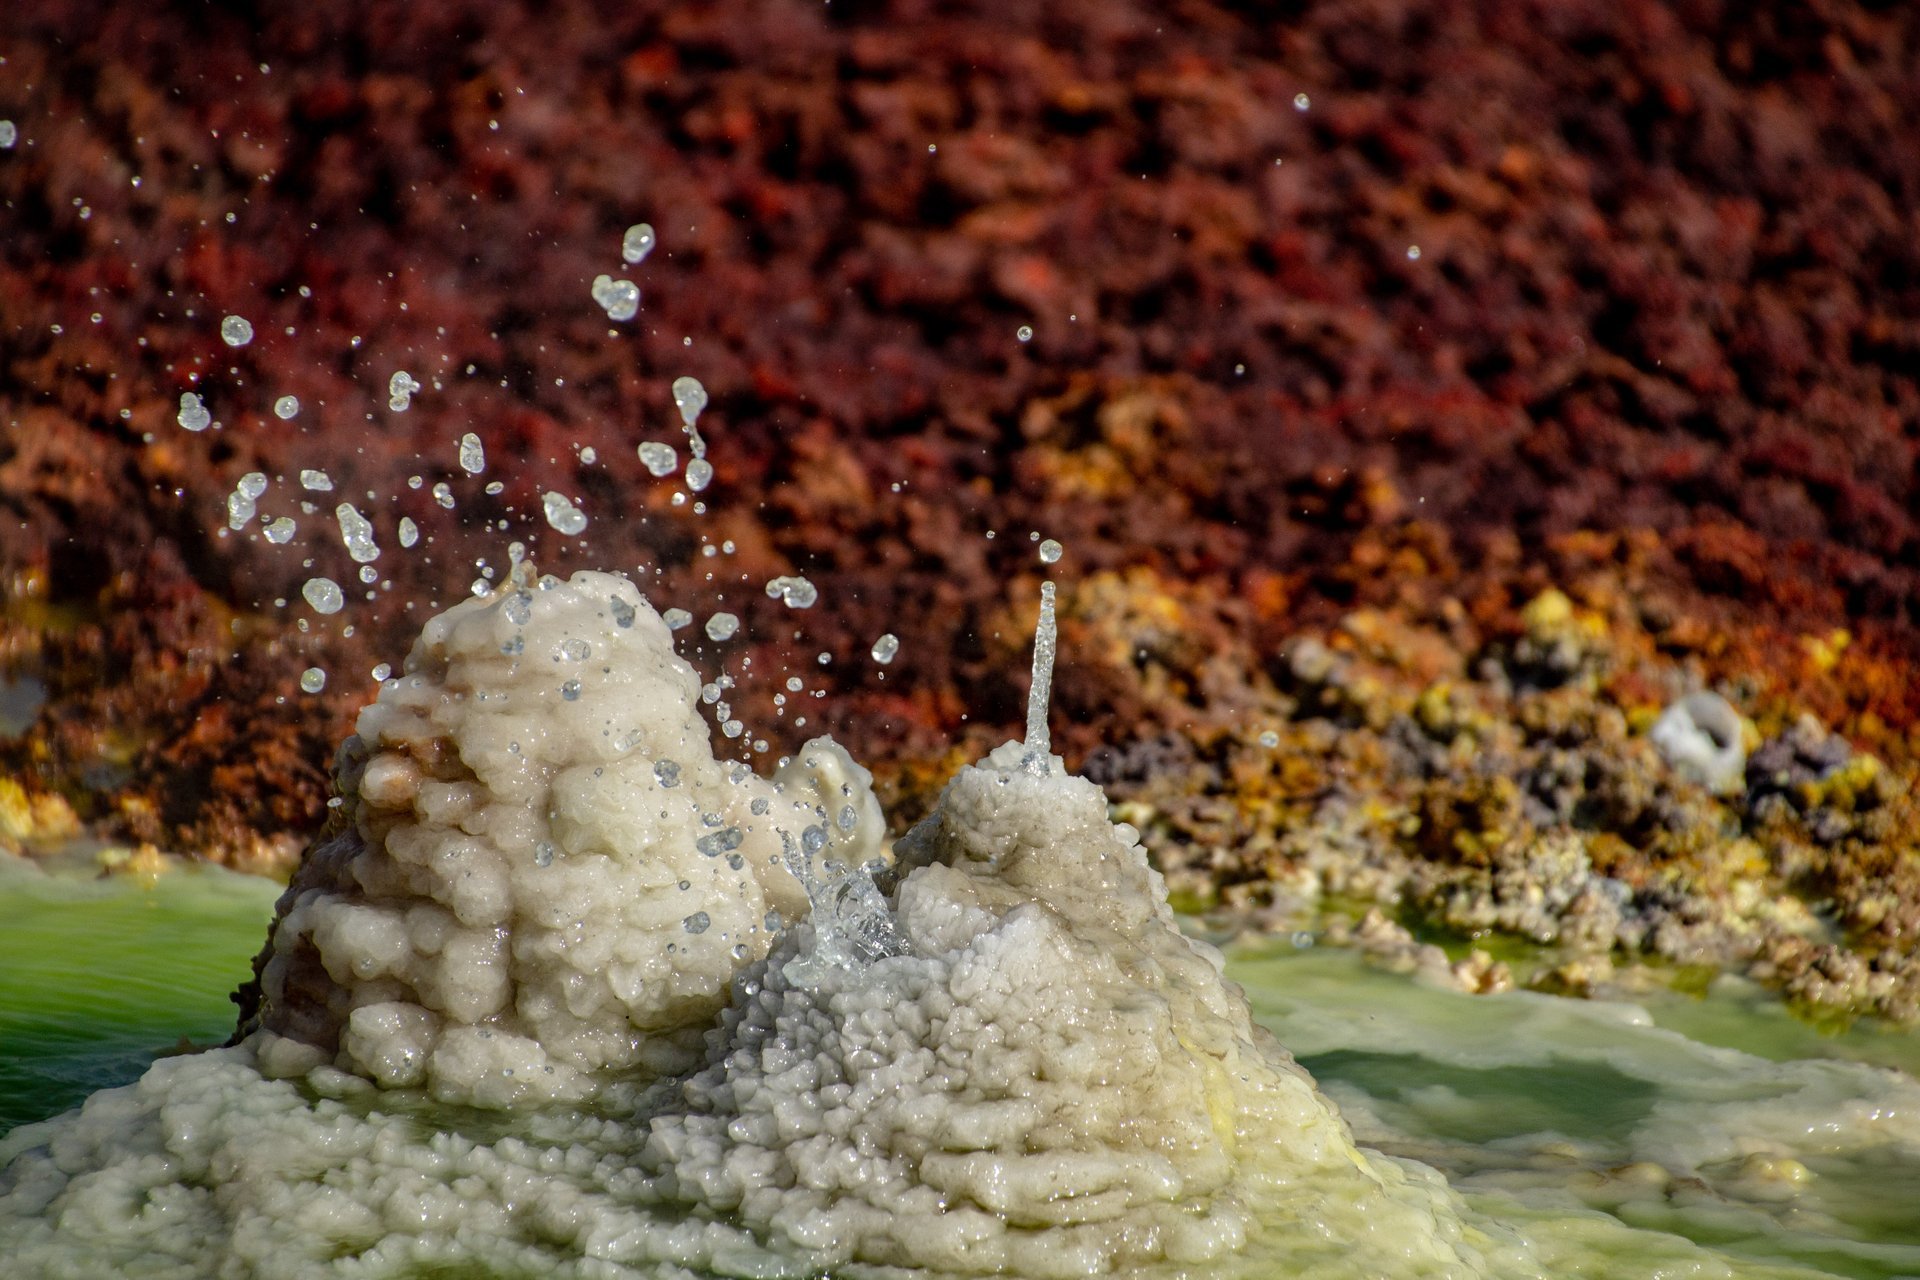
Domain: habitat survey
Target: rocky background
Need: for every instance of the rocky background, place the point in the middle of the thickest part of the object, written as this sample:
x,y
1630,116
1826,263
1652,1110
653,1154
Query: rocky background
x,y
1425,395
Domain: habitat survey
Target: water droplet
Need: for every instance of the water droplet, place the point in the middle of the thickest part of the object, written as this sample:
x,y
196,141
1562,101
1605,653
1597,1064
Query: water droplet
x,y
400,389
666,773
235,331
772,921
1303,939
733,728
323,594
576,650
722,626
382,671
637,243
286,407
313,680
698,922
676,619
759,806
570,691
619,298
1301,102
473,455
357,532
885,648
409,531
9,134
699,474
281,531
316,481
718,842
1413,253
543,854
1269,739
1024,333
562,514
813,840
193,412
847,818
659,459
443,495
690,398
518,607
795,593
1050,552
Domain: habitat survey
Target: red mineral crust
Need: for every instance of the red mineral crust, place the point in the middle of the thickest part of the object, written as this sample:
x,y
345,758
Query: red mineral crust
x,y
1275,315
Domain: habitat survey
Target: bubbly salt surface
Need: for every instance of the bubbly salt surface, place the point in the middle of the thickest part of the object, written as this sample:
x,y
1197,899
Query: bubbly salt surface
x,y
104,974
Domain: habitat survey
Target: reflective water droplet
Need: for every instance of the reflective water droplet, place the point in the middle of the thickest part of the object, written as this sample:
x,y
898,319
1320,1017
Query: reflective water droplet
x,y
235,331
716,843
637,243
620,299
1050,552
193,412
313,680
659,459
690,398
722,626
286,407
562,514
795,593
357,532
323,594
698,922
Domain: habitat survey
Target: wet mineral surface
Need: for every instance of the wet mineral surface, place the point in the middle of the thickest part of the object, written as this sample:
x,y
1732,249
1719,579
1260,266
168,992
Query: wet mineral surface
x,y
1426,397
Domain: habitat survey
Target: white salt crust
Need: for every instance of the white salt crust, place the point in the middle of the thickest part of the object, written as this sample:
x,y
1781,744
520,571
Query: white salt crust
x,y
491,1044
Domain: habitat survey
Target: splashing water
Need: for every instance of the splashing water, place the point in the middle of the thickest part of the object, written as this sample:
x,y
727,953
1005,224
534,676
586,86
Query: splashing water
x,y
795,593
193,412
619,298
637,243
1039,743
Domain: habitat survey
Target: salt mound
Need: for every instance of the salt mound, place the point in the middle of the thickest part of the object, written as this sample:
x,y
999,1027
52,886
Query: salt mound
x,y
523,1012
1050,1080
541,879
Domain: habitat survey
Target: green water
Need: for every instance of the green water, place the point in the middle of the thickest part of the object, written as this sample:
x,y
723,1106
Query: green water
x,y
97,977
1529,1104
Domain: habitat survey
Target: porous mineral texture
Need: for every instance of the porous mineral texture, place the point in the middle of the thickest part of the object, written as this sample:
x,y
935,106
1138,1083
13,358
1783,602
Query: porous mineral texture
x,y
1283,319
